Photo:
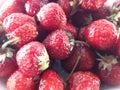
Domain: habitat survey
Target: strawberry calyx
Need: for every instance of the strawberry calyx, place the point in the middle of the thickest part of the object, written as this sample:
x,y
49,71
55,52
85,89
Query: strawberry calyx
x,y
106,62
43,61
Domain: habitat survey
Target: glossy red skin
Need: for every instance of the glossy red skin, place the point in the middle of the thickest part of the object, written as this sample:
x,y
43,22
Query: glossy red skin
x,y
32,7
27,60
11,6
58,44
21,26
70,28
18,81
92,4
52,16
86,61
110,77
8,67
101,34
83,81
65,4
50,80
118,47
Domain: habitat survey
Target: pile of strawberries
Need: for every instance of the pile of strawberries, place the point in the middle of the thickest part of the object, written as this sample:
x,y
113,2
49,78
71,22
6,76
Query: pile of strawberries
x,y
82,35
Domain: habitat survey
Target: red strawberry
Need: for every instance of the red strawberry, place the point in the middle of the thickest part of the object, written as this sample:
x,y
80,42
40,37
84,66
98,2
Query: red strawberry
x,y
59,44
11,6
52,16
65,4
86,60
32,58
50,80
32,7
70,28
109,70
21,26
18,81
83,81
101,34
92,4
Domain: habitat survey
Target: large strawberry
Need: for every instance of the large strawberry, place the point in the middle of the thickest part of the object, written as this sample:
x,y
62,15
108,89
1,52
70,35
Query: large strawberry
x,y
21,26
11,6
83,81
109,70
101,34
52,16
50,80
59,44
18,81
32,58
82,54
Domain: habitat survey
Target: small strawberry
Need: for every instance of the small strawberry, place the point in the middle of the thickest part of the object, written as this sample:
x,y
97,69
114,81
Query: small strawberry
x,y
21,26
59,44
11,6
101,34
50,80
52,16
91,4
83,81
18,81
32,7
86,60
109,70
32,58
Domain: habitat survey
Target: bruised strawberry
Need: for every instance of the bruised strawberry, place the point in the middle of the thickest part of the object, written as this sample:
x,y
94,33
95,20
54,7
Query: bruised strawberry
x,y
109,70
32,58
18,81
11,6
92,4
59,44
50,80
32,7
21,26
83,81
86,60
52,16
101,34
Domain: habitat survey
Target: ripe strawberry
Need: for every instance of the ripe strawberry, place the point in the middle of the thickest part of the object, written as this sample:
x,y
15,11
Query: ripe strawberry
x,y
65,4
70,28
11,6
109,70
101,34
83,81
50,80
59,44
32,7
21,26
52,16
18,81
92,4
32,58
86,60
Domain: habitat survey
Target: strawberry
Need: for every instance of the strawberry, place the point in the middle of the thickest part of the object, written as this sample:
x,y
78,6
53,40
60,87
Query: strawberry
x,y
50,80
59,44
101,34
18,81
52,16
32,7
32,58
21,26
83,81
86,60
118,47
92,4
65,4
10,7
108,70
